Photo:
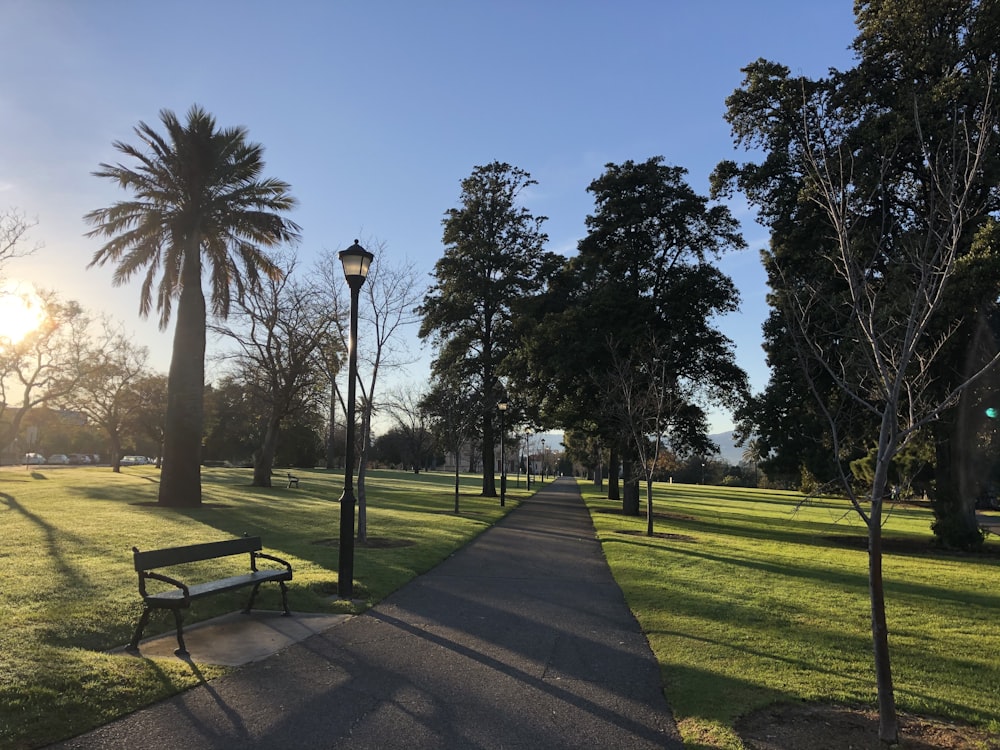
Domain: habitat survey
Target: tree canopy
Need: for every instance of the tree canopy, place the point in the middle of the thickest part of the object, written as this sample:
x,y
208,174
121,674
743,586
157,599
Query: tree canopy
x,y
494,257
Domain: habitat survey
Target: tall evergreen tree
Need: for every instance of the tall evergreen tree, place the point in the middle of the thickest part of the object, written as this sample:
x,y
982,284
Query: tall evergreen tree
x,y
894,167
643,273
494,257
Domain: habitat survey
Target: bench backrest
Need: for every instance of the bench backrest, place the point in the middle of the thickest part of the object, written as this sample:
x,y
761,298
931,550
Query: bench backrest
x,y
161,558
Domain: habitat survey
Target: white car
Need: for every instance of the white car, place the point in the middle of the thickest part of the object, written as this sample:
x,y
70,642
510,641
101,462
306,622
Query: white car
x,y
34,458
134,461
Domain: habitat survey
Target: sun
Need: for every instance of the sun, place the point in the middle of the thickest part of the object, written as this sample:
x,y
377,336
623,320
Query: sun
x,y
21,311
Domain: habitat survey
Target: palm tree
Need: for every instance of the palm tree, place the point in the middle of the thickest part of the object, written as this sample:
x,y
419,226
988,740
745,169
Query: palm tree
x,y
751,455
199,202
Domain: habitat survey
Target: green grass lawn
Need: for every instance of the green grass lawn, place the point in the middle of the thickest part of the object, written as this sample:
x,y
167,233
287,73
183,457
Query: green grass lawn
x,y
746,598
749,599
68,592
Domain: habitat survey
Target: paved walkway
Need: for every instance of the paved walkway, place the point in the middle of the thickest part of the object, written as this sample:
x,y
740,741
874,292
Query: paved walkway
x,y
520,640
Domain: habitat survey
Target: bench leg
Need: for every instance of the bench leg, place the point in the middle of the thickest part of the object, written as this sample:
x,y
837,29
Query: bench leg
x,y
133,646
181,649
284,598
253,595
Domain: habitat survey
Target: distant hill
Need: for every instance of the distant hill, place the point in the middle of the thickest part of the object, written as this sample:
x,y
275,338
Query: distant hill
x,y
728,450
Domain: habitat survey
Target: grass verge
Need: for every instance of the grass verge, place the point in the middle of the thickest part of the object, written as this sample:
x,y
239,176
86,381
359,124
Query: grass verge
x,y
69,590
749,598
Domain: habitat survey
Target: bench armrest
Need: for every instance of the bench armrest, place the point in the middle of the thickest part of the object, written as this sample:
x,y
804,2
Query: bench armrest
x,y
143,575
272,558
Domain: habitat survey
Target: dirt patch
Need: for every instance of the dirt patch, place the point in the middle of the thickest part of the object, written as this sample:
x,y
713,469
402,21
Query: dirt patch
x,y
818,727
373,542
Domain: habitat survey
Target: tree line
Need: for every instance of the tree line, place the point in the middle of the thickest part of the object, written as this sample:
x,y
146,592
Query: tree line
x,y
880,189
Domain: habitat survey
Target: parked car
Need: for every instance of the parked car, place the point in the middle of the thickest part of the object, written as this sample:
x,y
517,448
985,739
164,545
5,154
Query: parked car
x,y
79,458
58,458
134,461
34,458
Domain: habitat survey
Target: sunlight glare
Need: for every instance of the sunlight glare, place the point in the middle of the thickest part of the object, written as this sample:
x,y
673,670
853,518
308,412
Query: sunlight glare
x,y
21,311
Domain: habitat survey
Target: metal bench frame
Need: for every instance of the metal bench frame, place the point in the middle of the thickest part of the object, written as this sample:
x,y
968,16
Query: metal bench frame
x,y
181,596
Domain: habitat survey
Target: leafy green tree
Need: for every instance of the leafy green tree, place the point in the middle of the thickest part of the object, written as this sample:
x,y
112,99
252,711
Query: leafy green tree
x,y
493,258
878,184
200,202
233,422
643,273
925,70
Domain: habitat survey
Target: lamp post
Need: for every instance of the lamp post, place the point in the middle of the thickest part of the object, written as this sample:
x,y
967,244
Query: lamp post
x,y
502,406
356,261
527,461
545,463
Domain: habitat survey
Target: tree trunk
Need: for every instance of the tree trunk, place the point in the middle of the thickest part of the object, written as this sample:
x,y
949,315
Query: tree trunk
x,y
489,458
180,478
366,426
888,730
115,443
613,493
458,456
630,494
953,501
331,458
263,463
649,506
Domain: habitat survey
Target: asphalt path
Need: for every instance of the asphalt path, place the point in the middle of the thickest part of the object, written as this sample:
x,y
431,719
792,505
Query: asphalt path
x,y
521,639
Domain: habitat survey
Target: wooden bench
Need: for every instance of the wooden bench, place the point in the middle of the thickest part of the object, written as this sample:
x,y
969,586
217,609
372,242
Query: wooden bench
x,y
293,481
181,596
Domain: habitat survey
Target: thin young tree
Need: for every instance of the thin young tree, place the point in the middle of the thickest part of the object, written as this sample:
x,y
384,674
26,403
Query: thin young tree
x,y
200,204
386,309
886,336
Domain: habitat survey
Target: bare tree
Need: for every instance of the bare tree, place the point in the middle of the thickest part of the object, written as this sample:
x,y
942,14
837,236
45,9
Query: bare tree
x,y
386,308
46,364
881,335
107,391
406,407
654,407
453,411
14,227
279,330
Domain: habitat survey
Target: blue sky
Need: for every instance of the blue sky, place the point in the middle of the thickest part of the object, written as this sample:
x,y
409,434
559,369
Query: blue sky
x,y
375,111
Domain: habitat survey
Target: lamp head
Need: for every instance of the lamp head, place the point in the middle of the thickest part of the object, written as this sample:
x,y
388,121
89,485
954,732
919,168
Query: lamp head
x,y
356,261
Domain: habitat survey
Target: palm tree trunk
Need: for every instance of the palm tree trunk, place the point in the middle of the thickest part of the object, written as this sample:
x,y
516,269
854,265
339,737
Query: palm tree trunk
x,y
180,478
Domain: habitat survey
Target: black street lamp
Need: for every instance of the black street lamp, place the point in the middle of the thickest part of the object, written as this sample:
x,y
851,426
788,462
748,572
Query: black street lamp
x,y
502,406
527,461
356,261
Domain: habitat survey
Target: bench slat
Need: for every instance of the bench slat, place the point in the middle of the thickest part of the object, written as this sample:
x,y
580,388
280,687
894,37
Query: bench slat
x,y
175,596
159,558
